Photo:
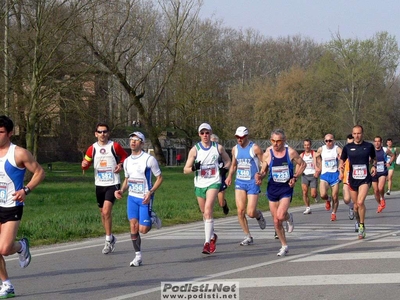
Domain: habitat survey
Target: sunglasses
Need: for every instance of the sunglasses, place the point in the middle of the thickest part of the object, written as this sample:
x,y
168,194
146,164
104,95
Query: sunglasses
x,y
135,139
328,141
204,132
102,131
276,141
240,137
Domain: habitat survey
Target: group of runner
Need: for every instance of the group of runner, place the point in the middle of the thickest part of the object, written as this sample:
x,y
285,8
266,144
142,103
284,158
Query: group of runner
x,y
358,165
332,165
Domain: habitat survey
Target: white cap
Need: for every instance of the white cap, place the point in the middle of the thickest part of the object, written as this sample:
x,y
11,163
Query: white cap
x,y
137,134
204,126
241,131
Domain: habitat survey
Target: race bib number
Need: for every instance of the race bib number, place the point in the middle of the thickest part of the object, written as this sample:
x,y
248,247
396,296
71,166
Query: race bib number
x,y
136,186
359,172
243,173
3,192
310,166
380,166
105,174
330,163
280,173
208,171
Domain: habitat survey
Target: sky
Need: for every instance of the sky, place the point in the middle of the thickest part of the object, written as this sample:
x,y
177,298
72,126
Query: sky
x,y
315,19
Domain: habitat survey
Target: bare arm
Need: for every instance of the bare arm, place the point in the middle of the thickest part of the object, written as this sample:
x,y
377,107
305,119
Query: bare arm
x,y
187,169
24,159
232,168
225,157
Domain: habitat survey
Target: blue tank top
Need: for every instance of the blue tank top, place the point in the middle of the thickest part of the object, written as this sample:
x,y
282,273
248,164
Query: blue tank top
x,y
280,172
247,164
381,159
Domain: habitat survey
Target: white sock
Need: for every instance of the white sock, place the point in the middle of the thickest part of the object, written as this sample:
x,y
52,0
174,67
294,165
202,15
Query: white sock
x,y
138,254
108,238
209,229
7,281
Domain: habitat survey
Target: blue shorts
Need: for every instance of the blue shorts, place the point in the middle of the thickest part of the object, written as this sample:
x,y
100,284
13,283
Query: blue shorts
x,y
278,191
331,178
139,211
249,188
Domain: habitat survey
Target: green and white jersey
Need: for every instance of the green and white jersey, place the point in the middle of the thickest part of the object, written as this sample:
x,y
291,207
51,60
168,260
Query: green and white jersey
x,y
208,173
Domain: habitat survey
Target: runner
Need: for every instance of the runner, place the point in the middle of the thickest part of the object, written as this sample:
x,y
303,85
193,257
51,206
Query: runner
x,y
360,155
278,162
384,159
389,144
309,179
327,159
203,160
246,157
139,168
221,194
345,180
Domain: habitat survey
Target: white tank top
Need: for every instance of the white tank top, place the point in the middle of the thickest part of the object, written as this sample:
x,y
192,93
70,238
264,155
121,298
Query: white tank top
x,y
209,171
309,160
329,159
11,179
104,164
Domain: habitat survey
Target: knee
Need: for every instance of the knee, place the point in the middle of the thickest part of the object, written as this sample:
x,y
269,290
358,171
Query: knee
x,y
144,229
5,250
252,213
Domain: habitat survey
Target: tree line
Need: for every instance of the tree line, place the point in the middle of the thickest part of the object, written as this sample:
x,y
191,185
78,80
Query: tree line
x,y
68,64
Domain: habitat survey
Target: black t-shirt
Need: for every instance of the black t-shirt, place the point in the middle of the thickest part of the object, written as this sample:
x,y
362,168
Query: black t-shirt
x,y
359,156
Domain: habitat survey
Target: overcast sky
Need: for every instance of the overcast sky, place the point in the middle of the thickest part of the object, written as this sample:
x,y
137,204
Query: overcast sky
x,y
316,19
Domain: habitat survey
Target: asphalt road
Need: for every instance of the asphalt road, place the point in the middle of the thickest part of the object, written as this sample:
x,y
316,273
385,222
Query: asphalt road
x,y
326,260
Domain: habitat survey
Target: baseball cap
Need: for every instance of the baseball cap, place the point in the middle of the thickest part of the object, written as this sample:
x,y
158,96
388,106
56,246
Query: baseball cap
x,y
204,126
137,134
241,131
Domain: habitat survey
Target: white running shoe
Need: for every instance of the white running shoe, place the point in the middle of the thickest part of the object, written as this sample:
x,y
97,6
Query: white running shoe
x,y
356,227
155,220
261,220
247,241
307,211
283,251
110,245
388,192
351,213
7,291
25,255
290,224
136,262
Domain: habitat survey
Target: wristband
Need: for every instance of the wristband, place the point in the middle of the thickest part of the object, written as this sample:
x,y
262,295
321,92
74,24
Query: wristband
x,y
27,190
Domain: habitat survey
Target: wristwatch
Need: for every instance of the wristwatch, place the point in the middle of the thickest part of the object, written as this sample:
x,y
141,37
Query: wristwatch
x,y
27,190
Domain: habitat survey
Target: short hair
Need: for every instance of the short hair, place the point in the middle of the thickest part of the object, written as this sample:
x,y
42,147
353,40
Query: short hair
x,y
389,139
102,124
378,137
7,123
350,136
214,138
279,131
307,140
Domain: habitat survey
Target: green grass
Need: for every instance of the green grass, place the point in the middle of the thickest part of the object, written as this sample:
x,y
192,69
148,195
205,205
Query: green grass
x,y
64,208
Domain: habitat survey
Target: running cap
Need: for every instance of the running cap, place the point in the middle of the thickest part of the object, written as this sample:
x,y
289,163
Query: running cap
x,y
137,134
241,131
204,126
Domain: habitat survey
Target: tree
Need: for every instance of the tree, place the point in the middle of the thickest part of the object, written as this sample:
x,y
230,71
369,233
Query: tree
x,y
44,56
140,46
356,71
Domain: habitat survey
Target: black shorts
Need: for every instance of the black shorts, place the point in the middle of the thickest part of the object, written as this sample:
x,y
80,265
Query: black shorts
x,y
106,193
11,213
